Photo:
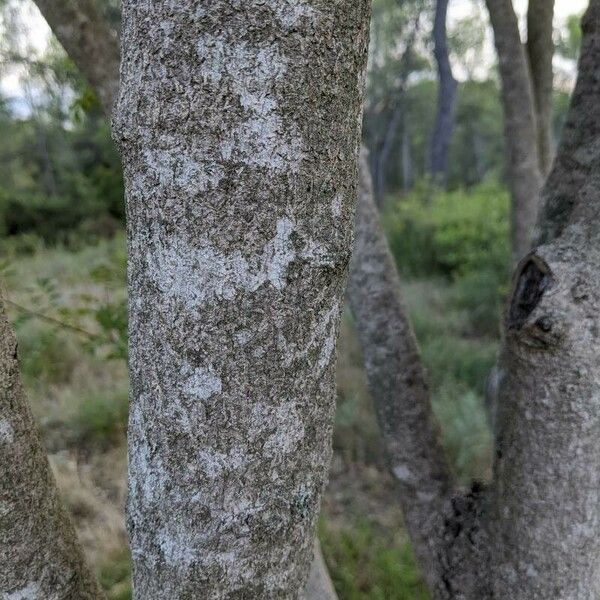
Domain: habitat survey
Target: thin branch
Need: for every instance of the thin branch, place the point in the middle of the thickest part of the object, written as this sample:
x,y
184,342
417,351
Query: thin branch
x,y
53,320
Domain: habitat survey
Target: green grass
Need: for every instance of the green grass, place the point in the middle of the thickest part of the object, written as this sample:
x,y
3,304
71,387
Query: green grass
x,y
114,576
367,563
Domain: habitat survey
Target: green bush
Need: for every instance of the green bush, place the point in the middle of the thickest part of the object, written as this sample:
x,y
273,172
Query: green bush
x,y
100,418
115,576
462,236
47,355
453,234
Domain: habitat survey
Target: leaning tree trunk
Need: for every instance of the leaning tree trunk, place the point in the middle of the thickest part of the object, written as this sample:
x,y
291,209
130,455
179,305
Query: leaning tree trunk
x,y
446,104
40,556
523,173
238,126
89,41
398,385
540,51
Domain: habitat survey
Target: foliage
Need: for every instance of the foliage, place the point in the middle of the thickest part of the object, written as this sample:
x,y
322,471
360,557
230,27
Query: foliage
x,y
461,236
100,419
115,576
368,564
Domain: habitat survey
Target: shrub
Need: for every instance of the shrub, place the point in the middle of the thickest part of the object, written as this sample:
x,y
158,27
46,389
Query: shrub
x,y
462,236
453,234
100,418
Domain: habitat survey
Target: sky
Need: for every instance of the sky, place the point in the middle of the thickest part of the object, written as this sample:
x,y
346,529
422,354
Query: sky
x,y
38,31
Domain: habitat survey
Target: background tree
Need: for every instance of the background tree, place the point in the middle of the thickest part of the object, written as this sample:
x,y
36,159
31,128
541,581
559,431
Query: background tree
x,y
447,87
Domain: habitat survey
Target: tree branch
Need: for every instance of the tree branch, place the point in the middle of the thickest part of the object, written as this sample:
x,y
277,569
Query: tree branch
x,y
540,50
523,172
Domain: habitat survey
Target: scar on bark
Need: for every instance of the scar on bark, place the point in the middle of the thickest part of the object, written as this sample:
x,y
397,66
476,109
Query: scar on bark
x,y
532,281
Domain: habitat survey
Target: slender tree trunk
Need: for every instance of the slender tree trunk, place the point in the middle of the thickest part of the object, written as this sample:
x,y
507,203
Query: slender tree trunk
x,y
40,556
407,161
399,109
89,41
523,173
240,228
319,585
383,157
398,386
446,105
540,51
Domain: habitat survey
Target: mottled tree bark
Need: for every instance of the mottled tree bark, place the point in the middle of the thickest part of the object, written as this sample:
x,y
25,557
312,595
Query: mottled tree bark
x,y
523,173
446,104
319,585
540,51
546,506
238,125
89,41
40,556
398,385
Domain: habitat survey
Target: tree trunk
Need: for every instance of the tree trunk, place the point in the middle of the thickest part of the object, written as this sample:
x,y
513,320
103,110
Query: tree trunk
x,y
89,41
238,128
523,173
546,528
383,157
446,105
540,51
407,160
398,386
40,556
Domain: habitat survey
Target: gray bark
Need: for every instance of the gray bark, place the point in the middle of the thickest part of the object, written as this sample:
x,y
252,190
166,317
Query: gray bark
x,y
398,385
446,104
40,556
88,40
319,586
240,229
540,51
545,526
523,173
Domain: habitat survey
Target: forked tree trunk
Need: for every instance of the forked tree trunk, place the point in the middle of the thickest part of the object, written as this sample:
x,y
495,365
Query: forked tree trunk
x,y
446,104
546,534
523,173
540,51
238,126
40,556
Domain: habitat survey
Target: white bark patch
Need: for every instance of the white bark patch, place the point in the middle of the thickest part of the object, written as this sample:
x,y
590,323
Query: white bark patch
x,y
260,140
174,169
291,15
31,591
286,421
336,206
6,432
402,473
199,275
201,384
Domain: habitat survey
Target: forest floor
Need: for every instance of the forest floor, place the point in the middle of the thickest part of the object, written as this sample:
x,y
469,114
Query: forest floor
x,y
69,311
